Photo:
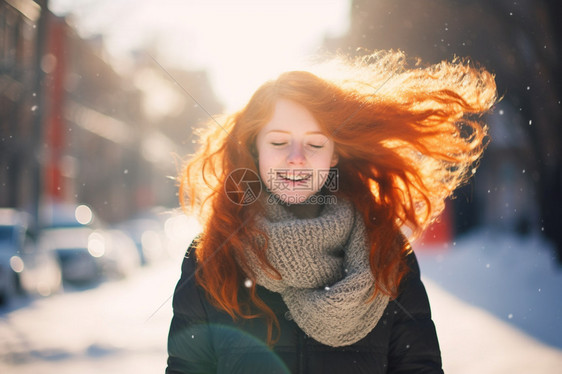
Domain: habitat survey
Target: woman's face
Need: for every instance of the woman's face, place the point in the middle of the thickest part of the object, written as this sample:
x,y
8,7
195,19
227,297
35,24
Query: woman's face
x,y
294,154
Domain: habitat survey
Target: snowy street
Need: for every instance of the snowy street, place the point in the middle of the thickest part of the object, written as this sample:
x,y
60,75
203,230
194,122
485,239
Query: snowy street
x,y
121,327
117,327
124,125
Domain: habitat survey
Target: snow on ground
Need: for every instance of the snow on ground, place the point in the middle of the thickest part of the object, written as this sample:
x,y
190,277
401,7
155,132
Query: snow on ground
x,y
117,327
510,317
514,278
121,326
474,341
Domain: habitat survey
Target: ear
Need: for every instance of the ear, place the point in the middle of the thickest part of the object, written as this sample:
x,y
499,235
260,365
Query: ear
x,y
335,159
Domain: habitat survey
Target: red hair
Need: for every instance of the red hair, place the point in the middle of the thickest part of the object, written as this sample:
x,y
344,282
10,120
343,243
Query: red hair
x,y
405,137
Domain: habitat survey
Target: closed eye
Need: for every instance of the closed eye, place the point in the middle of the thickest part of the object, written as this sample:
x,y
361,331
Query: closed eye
x,y
316,146
278,144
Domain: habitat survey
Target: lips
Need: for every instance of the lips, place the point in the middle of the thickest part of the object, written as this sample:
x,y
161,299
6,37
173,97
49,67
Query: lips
x,y
298,176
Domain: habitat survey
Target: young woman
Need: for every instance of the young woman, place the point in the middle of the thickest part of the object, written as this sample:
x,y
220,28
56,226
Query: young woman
x,y
302,266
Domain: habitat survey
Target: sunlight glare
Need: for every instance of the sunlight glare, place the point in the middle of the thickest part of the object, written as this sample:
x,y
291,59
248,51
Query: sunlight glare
x,y
241,44
83,214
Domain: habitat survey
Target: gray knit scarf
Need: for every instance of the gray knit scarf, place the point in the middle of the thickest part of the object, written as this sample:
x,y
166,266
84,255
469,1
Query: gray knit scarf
x,y
326,282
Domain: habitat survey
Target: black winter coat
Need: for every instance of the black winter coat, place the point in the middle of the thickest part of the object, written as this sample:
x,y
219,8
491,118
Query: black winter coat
x,y
203,339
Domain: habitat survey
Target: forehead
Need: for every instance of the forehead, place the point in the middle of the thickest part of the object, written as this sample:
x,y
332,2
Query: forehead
x,y
290,116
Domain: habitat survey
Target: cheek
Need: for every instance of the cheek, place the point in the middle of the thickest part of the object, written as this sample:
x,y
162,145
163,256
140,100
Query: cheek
x,y
327,159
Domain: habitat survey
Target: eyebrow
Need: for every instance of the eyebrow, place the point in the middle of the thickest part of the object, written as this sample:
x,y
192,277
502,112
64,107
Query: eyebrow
x,y
306,133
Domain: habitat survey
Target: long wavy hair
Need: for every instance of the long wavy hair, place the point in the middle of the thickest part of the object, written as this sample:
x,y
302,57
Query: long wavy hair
x,y
406,135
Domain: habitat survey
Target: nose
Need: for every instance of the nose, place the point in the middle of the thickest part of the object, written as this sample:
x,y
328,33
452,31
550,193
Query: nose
x,y
296,155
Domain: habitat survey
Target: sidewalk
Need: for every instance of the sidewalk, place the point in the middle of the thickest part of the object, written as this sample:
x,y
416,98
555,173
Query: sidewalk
x,y
474,341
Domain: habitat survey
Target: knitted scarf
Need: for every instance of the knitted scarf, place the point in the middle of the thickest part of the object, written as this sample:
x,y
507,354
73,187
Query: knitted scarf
x,y
326,281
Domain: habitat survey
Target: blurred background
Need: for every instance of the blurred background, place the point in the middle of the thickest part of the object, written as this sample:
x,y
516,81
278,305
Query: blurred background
x,y
98,102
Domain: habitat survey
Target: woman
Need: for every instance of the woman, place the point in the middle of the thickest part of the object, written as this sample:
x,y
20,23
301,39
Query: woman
x,y
305,193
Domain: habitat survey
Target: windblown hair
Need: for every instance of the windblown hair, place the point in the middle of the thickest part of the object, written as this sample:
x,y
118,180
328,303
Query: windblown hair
x,y
406,137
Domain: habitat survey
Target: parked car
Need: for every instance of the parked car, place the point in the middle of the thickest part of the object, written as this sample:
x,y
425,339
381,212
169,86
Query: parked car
x,y
24,267
87,249
148,235
121,257
79,262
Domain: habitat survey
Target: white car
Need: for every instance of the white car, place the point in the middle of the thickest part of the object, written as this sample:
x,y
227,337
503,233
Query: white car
x,y
86,249
78,263
24,267
148,235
